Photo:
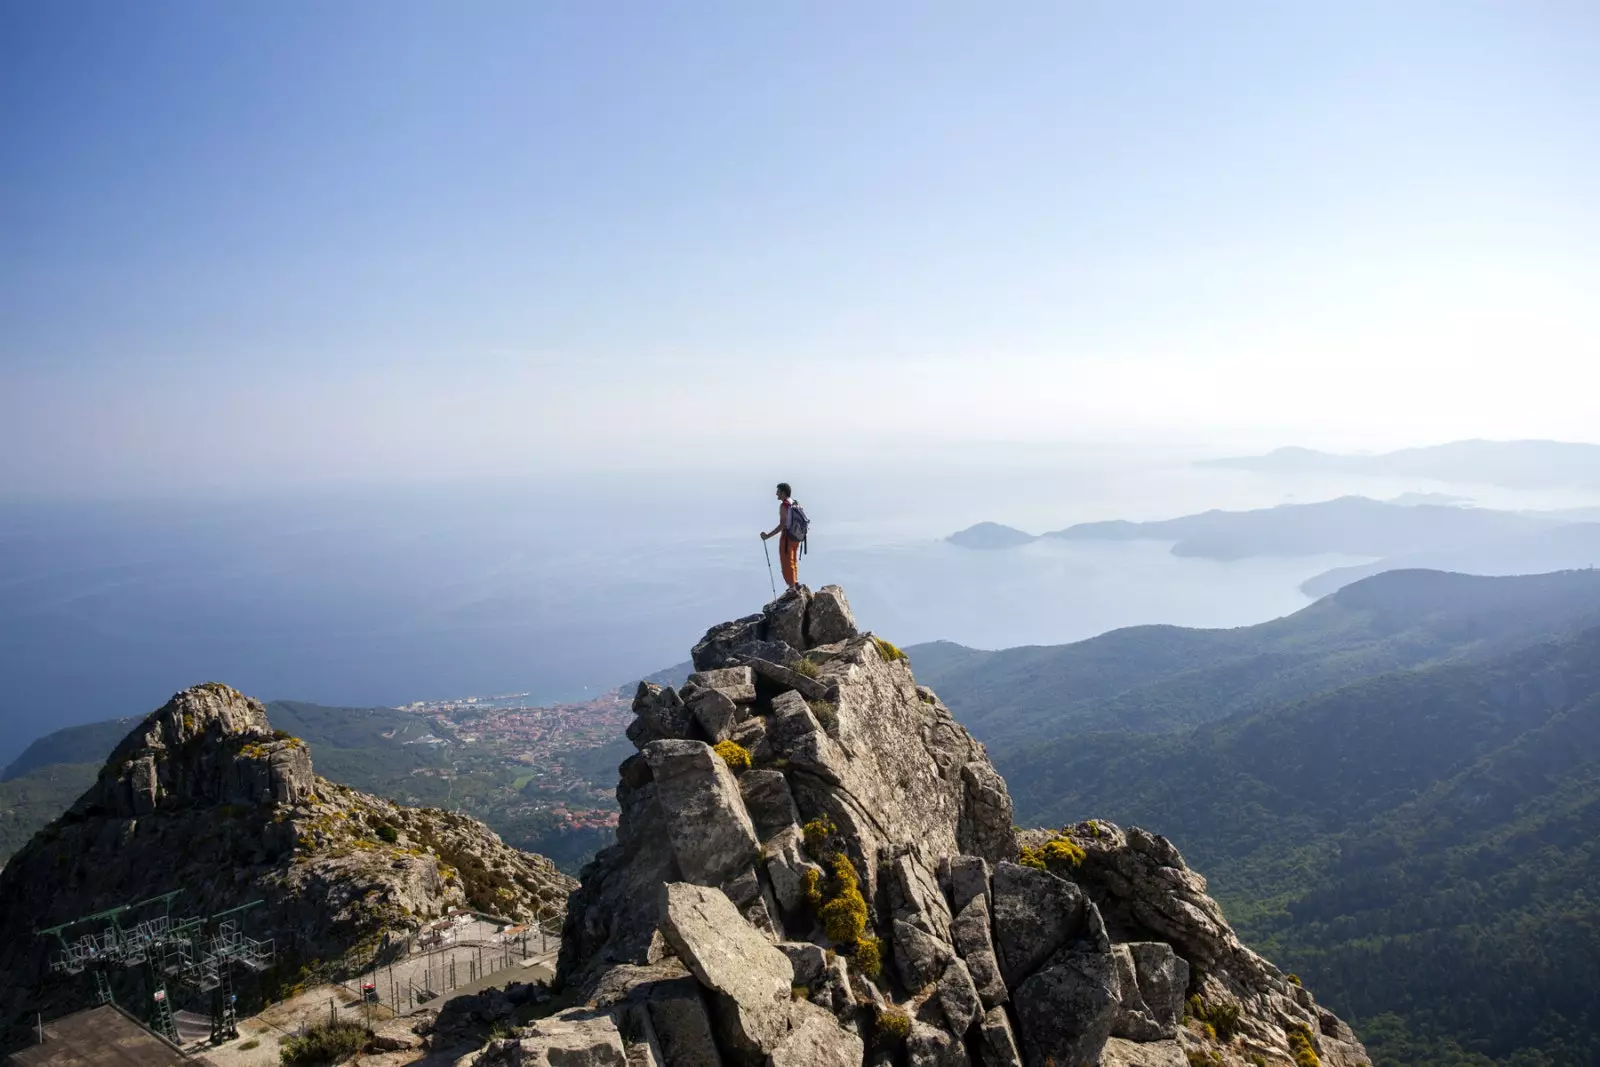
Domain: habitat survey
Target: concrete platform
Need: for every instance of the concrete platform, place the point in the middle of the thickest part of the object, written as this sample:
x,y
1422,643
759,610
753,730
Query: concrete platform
x,y
100,1037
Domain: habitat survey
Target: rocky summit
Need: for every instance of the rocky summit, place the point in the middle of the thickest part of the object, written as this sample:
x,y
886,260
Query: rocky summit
x,y
816,866
203,796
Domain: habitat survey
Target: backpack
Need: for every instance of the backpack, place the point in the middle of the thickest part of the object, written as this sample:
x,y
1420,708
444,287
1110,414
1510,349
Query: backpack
x,y
799,524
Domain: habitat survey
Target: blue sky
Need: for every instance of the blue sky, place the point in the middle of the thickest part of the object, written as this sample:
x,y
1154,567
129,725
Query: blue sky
x,y
285,242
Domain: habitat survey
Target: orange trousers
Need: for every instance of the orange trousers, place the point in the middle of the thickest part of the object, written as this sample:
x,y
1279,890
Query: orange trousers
x,y
789,557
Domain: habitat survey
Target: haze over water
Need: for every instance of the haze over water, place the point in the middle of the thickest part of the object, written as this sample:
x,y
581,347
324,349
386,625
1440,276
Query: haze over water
x,y
560,588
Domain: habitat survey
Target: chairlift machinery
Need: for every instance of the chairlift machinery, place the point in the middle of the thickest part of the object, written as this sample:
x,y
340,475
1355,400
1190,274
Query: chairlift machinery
x,y
197,952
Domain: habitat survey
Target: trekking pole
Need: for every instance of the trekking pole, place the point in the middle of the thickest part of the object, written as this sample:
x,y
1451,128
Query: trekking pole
x,y
770,580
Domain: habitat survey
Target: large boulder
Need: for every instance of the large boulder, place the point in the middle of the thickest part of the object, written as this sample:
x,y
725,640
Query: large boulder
x,y
1122,1053
1035,913
1066,1011
1153,980
659,713
785,618
829,619
716,649
769,802
958,997
750,979
579,1037
970,933
736,682
681,1024
715,713
998,1046
931,1046
817,1040
706,821
920,957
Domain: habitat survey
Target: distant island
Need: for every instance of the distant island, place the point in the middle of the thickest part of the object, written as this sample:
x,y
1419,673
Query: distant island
x,y
991,535
1511,464
1352,525
1408,532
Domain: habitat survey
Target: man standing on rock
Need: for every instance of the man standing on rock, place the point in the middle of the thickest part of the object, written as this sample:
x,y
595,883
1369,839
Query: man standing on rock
x,y
790,535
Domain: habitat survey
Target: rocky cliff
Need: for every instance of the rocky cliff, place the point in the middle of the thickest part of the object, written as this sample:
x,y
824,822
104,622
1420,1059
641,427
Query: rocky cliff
x,y
204,796
816,866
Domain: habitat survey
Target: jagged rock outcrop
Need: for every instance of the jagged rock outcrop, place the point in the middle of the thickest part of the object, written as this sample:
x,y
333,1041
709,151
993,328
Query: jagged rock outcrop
x,y
203,796
842,884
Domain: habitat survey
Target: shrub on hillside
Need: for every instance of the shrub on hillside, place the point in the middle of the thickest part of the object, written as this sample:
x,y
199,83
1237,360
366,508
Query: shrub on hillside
x,y
735,755
325,1043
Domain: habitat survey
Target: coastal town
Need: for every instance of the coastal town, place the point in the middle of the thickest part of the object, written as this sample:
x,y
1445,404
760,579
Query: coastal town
x,y
557,754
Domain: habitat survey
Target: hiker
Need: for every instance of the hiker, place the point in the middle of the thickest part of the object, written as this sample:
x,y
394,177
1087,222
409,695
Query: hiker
x,y
791,534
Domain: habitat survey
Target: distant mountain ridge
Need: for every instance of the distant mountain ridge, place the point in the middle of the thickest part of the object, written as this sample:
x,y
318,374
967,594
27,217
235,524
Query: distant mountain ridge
x,y
1155,678
1527,464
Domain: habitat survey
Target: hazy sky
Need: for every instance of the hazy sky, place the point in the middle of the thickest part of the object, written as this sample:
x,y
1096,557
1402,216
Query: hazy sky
x,y
282,241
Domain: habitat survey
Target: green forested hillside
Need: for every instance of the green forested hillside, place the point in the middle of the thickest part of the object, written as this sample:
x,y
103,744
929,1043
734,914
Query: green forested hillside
x,y
1419,843
1155,678
29,801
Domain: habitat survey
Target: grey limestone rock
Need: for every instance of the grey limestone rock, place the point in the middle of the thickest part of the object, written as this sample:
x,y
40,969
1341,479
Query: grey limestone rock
x,y
681,1025
711,834
736,682
1134,1019
750,977
715,712
930,1046
1035,913
785,677
920,957
808,961
785,618
986,828
786,868
967,877
1122,1053
970,933
817,1040
915,896
829,619
958,997
999,1043
1160,978
659,714
751,735
797,737
716,649
578,1037
769,802
1066,1011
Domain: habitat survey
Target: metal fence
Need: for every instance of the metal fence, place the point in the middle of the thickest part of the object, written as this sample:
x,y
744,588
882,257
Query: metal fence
x,y
442,958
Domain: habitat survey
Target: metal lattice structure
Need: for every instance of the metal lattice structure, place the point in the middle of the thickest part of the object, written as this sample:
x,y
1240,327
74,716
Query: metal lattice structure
x,y
199,953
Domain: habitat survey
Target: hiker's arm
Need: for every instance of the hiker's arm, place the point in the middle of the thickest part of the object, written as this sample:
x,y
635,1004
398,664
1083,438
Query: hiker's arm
x,y
778,529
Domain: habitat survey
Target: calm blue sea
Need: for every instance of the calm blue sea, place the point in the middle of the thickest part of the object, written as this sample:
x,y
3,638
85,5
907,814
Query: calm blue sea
x,y
383,596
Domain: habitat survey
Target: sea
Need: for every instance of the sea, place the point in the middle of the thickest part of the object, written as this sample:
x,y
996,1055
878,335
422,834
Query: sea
x,y
562,587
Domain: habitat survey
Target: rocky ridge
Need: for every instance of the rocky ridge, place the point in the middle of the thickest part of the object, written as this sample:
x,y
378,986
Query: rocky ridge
x,y
816,865
203,796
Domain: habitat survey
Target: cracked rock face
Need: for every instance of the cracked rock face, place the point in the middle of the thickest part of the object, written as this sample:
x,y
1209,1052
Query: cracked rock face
x,y
203,796
858,895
